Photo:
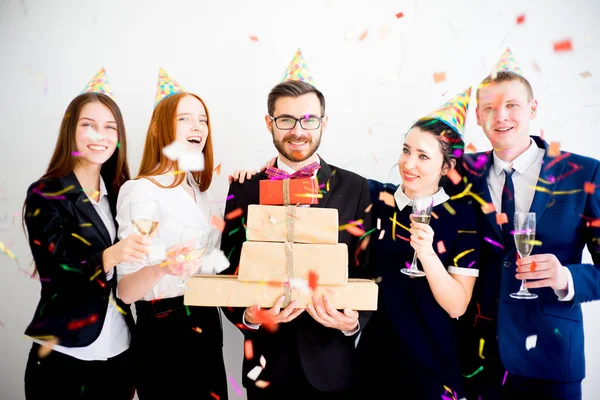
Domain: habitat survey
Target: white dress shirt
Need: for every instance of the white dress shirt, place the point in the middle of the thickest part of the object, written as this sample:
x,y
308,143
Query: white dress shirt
x,y
177,210
114,337
527,171
439,197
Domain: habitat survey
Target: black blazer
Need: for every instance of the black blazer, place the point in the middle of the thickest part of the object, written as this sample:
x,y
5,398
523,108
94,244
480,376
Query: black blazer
x,y
75,292
325,354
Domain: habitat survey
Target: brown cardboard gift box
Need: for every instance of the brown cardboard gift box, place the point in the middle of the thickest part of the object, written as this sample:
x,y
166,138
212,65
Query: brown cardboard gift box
x,y
266,262
228,291
310,224
300,191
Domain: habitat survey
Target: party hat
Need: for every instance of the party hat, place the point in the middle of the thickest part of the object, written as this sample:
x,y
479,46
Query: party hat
x,y
166,86
507,63
297,70
99,84
454,112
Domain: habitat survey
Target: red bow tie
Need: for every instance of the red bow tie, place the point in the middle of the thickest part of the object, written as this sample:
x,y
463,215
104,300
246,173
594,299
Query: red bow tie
x,y
305,172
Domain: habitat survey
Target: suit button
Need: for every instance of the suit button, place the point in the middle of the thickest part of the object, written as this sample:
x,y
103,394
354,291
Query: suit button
x,y
506,264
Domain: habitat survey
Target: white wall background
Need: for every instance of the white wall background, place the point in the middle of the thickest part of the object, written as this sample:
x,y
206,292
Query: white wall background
x,y
375,88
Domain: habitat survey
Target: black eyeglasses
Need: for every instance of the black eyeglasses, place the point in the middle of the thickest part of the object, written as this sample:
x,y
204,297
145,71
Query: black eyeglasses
x,y
288,123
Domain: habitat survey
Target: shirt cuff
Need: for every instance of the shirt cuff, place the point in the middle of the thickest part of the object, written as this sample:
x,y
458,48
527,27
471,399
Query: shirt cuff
x,y
569,293
249,325
352,332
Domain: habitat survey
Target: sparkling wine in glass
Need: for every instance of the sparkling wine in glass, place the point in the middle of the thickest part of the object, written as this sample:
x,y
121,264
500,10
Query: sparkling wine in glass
x,y
144,218
421,212
194,242
524,235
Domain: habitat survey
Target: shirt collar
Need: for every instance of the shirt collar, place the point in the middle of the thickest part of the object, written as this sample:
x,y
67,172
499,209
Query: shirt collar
x,y
521,163
403,200
282,166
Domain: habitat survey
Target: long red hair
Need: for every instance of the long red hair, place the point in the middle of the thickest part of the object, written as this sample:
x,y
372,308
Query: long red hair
x,y
161,133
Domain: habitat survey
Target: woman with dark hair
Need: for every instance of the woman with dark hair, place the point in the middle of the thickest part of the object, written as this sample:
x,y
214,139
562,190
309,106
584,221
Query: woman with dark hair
x,y
168,334
72,234
411,340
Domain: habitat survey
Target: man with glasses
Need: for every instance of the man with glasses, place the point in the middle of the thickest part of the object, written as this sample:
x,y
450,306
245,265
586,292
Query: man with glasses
x,y
310,354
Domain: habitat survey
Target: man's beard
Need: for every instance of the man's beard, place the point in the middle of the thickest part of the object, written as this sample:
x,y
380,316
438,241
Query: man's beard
x,y
295,155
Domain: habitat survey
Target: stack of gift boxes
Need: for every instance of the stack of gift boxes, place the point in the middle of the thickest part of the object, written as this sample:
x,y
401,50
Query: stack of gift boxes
x,y
291,250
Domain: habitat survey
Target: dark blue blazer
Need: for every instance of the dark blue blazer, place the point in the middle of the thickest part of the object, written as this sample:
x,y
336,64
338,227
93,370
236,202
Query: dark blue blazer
x,y
564,212
74,290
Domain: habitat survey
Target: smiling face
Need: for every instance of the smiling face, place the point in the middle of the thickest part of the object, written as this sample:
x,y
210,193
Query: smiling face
x,y
96,134
297,145
504,111
421,163
191,124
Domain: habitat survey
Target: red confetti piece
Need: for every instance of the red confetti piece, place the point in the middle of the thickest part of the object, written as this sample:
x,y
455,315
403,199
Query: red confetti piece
x,y
234,214
216,396
589,187
434,215
520,19
217,222
471,148
387,198
594,224
363,35
355,230
262,384
440,247
217,170
439,77
501,218
399,15
533,266
78,324
51,247
488,208
454,176
248,349
313,278
35,241
197,329
563,45
253,38
554,150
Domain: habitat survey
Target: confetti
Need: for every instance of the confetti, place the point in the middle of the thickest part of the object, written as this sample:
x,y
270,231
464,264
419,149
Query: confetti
x,y
378,223
563,45
399,15
434,215
75,153
439,77
217,170
478,370
313,278
554,150
481,342
387,198
501,218
363,35
520,19
263,361
217,222
234,214
381,234
197,329
488,208
440,247
461,255
215,396
454,176
354,230
585,74
262,384
78,324
46,348
6,251
449,208
255,372
530,342
81,238
248,349
493,242
504,379
533,266
253,38
589,187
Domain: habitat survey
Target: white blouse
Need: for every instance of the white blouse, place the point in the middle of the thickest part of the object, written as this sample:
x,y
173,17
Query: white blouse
x,y
177,210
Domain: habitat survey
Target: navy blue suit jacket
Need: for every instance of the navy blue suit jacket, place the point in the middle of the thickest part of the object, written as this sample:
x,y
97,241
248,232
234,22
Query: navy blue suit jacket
x,y
564,215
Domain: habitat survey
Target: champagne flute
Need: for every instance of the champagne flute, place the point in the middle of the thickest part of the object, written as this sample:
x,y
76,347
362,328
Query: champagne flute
x,y
524,235
144,218
194,241
421,212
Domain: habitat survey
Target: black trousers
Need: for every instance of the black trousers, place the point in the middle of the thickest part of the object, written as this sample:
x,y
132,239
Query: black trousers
x,y
59,376
178,351
520,388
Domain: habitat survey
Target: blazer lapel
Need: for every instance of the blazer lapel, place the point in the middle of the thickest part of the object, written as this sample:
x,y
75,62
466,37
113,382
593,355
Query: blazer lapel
x,y
86,207
552,168
326,179
480,187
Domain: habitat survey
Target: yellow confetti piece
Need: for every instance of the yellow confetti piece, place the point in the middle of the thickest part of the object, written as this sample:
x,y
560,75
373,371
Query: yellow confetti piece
x,y
36,212
554,150
96,274
449,208
481,342
461,231
119,309
6,251
344,227
86,225
394,223
461,255
65,190
80,238
544,190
